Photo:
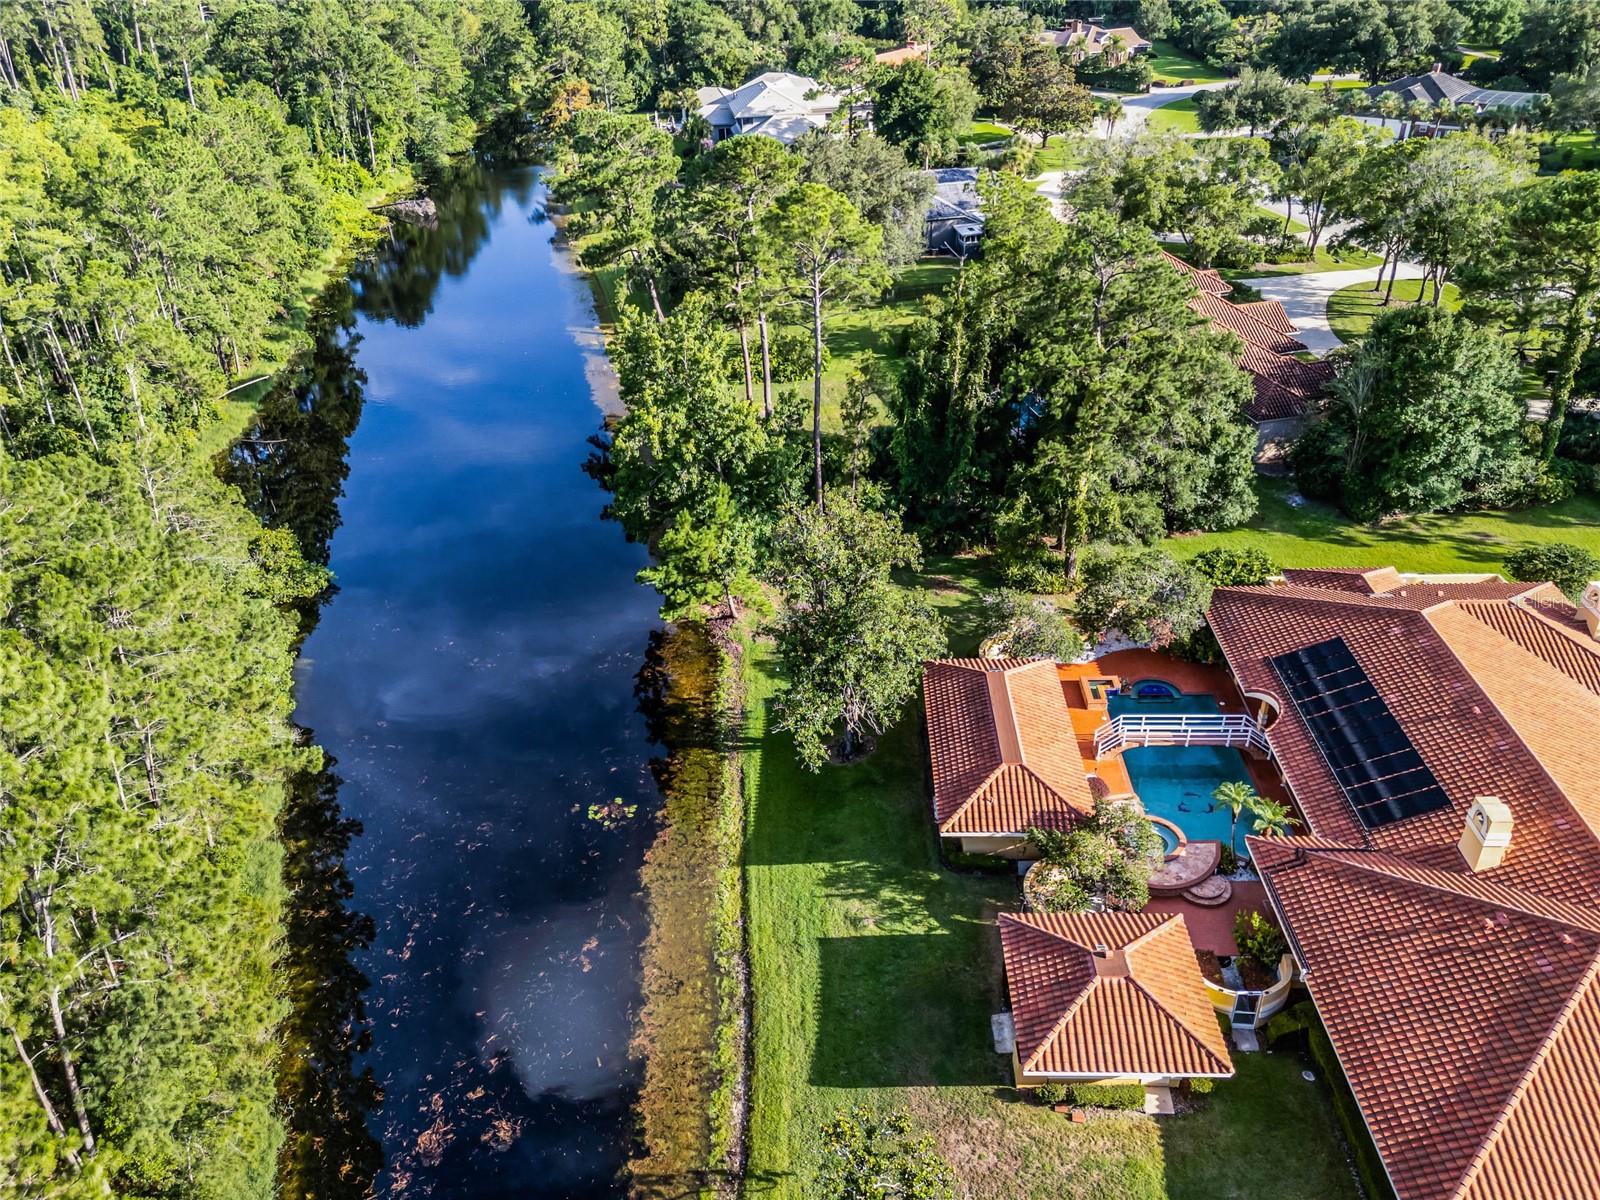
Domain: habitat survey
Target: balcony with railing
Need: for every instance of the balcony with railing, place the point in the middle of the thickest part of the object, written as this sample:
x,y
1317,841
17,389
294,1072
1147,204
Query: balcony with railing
x,y
1180,729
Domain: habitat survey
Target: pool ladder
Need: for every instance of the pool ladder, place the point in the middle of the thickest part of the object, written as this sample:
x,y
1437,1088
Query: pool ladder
x,y
1188,729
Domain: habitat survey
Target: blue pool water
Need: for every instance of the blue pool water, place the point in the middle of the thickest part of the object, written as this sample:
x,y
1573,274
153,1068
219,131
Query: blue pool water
x,y
1176,782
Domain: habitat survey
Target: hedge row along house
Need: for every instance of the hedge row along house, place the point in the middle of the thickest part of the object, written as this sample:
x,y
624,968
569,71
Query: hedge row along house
x,y
1439,738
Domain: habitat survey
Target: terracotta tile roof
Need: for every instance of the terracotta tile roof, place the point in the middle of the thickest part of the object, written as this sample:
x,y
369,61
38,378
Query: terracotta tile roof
x,y
1555,716
1285,386
1466,1016
1137,1007
1270,313
1250,329
1206,281
1412,649
1354,579
1000,739
1463,1006
1426,593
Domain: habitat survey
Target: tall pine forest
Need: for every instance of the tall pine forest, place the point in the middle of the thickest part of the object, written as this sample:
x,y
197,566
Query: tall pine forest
x,y
174,178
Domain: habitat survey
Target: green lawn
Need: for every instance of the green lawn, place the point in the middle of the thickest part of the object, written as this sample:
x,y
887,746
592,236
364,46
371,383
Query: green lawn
x,y
1172,65
859,333
1325,260
874,973
1352,310
1569,151
1178,117
1059,155
1296,225
981,132
1317,535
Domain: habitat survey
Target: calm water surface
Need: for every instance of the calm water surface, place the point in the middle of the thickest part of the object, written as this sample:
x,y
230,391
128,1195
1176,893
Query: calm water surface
x,y
465,935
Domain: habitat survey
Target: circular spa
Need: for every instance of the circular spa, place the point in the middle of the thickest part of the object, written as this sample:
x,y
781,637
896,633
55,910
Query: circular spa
x,y
1152,691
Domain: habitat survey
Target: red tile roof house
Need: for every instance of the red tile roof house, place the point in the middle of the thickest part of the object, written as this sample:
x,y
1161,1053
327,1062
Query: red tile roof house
x,y
1441,737
1004,756
1287,388
1110,997
1095,996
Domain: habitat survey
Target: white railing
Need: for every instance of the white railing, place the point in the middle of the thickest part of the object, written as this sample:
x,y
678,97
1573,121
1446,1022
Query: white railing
x,y
1187,729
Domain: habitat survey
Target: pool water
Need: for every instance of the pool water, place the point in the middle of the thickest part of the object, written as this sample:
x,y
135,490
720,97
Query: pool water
x,y
1176,782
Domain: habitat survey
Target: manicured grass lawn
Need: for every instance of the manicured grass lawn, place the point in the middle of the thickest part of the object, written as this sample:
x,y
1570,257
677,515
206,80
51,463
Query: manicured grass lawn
x,y
1317,535
1570,151
1352,310
1171,65
1325,260
981,132
857,334
1178,117
875,971
1296,225
1061,154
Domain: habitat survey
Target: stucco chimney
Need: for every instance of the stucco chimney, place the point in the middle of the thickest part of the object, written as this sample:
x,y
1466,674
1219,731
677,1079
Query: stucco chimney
x,y
1437,67
1077,27
1487,836
1589,607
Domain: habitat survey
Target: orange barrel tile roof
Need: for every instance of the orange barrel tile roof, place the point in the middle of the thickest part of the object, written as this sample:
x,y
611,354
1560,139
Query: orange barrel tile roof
x,y
1000,738
1285,386
1134,1006
1462,1005
1465,1014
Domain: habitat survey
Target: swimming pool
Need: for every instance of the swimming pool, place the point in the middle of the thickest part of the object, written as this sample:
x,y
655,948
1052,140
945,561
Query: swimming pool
x,y
1176,782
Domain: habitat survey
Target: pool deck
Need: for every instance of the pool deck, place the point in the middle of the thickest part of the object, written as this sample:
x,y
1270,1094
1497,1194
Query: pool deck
x,y
1209,928
1212,928
1133,665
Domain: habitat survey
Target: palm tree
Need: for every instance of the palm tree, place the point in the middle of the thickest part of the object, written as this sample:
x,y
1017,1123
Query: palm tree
x,y
1235,796
1390,107
1417,112
1113,49
1444,113
1272,818
1112,111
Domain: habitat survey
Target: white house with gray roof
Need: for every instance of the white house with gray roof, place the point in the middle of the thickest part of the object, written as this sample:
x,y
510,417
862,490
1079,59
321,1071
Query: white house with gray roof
x,y
775,104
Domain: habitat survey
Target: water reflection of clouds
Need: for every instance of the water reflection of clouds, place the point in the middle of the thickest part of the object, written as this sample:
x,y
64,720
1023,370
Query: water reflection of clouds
x,y
475,674
537,983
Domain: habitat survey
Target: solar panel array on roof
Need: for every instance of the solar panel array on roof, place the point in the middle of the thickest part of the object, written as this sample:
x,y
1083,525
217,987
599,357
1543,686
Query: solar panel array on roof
x,y
1383,776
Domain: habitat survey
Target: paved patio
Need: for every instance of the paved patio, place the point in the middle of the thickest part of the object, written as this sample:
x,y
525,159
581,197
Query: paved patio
x,y
1212,928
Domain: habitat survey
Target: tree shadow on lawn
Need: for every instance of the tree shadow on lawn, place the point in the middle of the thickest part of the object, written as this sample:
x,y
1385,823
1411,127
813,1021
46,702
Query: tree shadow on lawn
x,y
903,1010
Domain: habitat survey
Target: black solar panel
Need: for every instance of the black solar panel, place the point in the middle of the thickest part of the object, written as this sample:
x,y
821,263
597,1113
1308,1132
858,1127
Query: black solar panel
x,y
1374,762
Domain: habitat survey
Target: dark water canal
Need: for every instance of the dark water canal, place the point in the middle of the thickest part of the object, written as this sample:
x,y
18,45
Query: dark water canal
x,y
464,935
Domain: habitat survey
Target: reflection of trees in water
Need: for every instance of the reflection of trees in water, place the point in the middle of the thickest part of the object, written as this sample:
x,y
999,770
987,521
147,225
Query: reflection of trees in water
x,y
399,282
291,464
291,467
330,1152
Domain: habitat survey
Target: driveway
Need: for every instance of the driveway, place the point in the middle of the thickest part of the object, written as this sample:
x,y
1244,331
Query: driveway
x,y
1305,299
1136,109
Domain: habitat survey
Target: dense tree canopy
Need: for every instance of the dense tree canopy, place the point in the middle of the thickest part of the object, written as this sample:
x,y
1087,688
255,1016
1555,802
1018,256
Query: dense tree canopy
x,y
1063,390
851,640
1424,416
171,176
144,671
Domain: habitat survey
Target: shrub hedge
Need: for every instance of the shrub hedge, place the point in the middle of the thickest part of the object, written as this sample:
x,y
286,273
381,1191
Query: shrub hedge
x,y
1369,1167
1107,1095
